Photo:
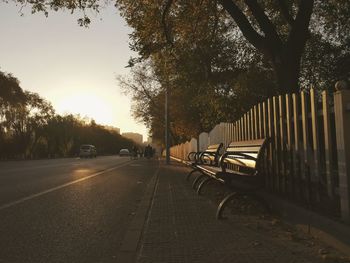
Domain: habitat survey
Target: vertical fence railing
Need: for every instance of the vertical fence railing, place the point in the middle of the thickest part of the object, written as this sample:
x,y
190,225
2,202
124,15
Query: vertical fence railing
x,y
308,157
342,116
203,141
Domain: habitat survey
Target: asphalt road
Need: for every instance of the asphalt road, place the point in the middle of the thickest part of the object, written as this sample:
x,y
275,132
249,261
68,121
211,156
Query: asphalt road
x,y
69,210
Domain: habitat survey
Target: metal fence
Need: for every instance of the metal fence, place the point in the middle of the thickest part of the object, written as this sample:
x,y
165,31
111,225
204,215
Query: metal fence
x,y
308,158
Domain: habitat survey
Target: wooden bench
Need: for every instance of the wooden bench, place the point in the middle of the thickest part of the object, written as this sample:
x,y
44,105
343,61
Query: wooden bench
x,y
241,162
208,157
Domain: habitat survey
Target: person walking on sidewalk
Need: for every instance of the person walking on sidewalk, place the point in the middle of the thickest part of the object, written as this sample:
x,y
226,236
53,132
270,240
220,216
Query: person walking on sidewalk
x,y
148,151
134,153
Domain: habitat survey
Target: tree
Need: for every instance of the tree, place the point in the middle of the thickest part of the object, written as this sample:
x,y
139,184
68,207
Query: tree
x,y
278,29
280,36
10,90
198,67
24,122
219,55
195,105
11,95
29,127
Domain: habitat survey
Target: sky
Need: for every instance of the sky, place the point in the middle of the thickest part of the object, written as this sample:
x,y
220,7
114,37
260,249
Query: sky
x,y
73,67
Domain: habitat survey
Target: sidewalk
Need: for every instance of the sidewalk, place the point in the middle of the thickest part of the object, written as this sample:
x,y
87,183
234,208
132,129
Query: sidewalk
x,y
181,227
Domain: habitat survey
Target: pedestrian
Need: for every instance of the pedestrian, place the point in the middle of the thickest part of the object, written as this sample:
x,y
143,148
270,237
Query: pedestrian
x,y
148,151
134,152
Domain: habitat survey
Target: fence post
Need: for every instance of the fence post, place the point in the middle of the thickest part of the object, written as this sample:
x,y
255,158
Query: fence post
x,y
342,124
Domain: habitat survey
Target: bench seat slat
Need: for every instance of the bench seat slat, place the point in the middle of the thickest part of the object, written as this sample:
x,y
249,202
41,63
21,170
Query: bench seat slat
x,y
210,151
240,173
247,143
241,162
214,147
252,156
210,169
244,149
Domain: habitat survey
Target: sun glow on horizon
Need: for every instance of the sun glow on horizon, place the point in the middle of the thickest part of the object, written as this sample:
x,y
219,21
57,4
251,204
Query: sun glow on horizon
x,y
70,66
87,105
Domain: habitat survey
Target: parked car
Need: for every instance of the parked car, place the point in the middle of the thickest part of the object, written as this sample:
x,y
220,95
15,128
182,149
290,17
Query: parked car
x,y
87,150
124,152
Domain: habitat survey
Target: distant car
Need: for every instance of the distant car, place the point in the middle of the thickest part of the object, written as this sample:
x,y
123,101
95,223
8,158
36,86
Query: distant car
x,y
124,152
87,150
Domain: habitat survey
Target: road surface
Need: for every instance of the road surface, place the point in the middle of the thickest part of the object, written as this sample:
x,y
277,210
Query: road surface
x,y
69,210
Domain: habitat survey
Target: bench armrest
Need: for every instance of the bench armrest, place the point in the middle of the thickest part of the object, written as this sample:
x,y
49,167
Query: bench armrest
x,y
207,155
191,156
194,156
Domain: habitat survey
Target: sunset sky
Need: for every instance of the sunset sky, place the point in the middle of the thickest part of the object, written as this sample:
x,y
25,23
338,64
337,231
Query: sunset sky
x,y
74,68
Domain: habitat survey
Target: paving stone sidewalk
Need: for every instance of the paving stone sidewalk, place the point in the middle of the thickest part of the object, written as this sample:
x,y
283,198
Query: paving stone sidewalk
x,y
181,227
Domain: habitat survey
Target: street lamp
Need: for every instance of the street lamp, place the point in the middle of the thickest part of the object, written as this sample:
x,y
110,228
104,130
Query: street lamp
x,y
167,146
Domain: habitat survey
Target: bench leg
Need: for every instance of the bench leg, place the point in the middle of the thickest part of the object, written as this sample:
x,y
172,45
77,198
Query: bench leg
x,y
190,173
198,178
222,204
205,181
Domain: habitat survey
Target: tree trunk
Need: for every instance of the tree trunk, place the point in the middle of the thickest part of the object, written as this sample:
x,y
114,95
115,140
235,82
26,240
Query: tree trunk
x,y
287,70
285,55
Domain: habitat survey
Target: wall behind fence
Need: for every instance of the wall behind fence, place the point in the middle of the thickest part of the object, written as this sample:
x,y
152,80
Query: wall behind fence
x,y
308,156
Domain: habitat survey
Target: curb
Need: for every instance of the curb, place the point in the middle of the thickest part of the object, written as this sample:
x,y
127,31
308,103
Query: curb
x,y
132,237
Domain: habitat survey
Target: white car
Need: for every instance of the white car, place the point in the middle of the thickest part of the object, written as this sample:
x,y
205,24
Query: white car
x,y
124,152
87,150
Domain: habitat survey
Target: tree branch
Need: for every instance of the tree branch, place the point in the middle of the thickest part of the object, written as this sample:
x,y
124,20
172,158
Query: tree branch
x,y
197,20
216,21
300,29
285,12
139,87
243,23
264,22
146,93
167,34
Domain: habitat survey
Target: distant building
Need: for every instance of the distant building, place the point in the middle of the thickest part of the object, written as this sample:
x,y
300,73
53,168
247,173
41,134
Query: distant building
x,y
136,137
111,128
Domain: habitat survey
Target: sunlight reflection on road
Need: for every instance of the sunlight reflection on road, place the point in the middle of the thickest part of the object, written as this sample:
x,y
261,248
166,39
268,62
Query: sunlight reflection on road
x,y
82,171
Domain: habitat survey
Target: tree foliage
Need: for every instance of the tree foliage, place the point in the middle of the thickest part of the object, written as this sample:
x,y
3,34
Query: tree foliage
x,y
10,92
29,127
224,56
193,55
219,57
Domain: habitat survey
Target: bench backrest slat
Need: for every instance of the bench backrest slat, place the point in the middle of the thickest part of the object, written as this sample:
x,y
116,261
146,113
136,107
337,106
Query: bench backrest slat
x,y
214,146
257,142
244,149
244,154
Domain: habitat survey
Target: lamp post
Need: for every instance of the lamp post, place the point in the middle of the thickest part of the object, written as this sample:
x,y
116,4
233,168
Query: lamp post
x,y
167,146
